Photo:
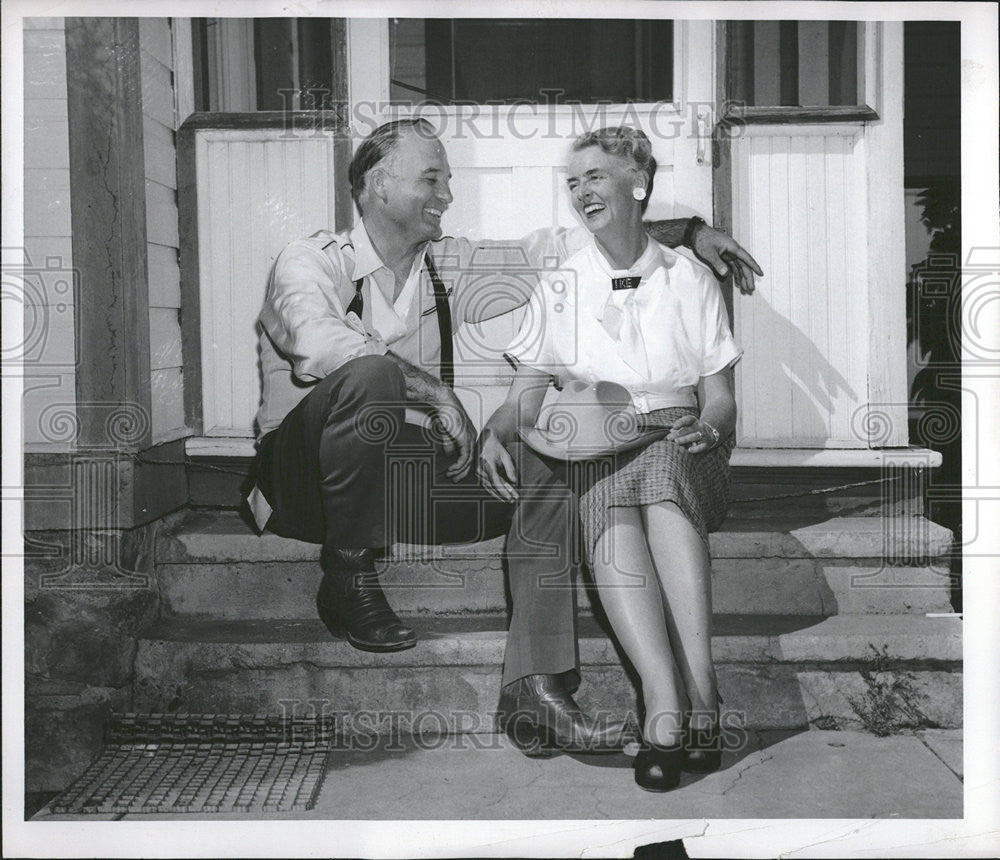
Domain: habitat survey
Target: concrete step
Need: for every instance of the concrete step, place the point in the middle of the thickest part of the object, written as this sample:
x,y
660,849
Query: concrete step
x,y
774,672
210,565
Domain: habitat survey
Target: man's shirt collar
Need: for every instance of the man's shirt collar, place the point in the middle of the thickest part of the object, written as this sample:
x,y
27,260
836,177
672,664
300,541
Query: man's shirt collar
x,y
366,258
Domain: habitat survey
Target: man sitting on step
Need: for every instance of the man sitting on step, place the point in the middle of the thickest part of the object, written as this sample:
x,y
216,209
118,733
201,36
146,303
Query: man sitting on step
x,y
357,373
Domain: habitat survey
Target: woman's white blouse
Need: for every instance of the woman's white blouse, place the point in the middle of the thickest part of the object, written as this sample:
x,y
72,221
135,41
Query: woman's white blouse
x,y
657,340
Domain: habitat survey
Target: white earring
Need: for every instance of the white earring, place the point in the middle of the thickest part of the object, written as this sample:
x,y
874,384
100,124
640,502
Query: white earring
x,y
639,193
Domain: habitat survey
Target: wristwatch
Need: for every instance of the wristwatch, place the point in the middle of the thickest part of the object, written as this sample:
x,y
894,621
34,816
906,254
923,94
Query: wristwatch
x,y
716,436
692,224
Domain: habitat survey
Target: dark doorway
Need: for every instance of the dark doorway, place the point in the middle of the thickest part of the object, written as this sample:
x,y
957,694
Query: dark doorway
x,y
932,166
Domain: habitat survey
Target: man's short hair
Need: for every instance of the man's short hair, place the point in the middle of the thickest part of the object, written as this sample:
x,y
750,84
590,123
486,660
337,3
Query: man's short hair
x,y
378,146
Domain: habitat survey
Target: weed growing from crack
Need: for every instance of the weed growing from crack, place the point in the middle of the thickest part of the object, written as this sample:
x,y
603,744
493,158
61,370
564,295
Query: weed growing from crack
x,y
890,700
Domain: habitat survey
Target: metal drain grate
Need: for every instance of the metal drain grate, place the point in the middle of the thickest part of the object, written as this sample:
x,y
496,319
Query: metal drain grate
x,y
203,763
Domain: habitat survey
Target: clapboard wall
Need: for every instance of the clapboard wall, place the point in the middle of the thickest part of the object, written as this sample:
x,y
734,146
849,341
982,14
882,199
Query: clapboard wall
x,y
159,126
821,205
47,286
50,339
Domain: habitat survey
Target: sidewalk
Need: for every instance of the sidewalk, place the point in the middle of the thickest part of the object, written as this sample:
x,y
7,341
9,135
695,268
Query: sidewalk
x,y
779,774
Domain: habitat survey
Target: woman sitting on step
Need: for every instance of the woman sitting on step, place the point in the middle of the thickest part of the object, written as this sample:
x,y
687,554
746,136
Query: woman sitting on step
x,y
637,333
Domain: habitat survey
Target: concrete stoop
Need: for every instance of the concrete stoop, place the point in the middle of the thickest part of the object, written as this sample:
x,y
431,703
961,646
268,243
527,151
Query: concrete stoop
x,y
210,565
775,673
822,624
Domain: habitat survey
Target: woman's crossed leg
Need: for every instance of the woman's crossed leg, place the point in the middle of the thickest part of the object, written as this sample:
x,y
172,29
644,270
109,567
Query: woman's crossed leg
x,y
653,575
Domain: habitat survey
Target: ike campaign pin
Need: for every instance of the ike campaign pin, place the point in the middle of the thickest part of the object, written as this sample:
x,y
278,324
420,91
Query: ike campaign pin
x,y
627,283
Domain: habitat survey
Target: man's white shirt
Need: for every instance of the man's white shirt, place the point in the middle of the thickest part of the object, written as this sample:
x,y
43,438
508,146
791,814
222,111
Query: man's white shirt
x,y
306,331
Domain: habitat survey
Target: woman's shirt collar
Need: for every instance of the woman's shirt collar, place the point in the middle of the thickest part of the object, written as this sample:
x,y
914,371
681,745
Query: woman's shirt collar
x,y
649,261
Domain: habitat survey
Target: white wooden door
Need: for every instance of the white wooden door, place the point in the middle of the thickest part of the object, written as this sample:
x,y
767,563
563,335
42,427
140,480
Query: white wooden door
x,y
820,205
509,178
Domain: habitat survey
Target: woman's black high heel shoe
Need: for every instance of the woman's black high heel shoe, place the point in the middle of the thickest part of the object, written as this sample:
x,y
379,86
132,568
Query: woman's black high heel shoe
x,y
658,768
703,747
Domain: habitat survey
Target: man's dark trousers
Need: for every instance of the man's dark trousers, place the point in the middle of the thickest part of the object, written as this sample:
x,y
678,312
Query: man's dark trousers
x,y
342,469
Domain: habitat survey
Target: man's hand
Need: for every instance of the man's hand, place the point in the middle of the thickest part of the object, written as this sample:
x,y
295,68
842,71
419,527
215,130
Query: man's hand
x,y
716,249
451,420
458,434
495,467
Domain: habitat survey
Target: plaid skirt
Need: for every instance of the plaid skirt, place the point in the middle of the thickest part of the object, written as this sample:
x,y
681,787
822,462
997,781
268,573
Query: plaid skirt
x,y
699,484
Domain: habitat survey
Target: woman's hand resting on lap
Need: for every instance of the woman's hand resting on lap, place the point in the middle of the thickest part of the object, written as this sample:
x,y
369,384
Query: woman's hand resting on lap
x,y
692,434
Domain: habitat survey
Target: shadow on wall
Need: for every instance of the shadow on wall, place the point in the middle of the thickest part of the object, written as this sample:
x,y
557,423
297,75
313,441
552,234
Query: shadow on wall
x,y
795,388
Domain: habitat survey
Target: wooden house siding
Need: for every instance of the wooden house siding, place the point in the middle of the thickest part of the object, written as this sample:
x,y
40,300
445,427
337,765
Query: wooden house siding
x,y
51,357
50,354
159,126
821,205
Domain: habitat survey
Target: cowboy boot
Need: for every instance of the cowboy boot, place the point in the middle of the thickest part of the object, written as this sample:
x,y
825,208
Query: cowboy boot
x,y
351,603
540,716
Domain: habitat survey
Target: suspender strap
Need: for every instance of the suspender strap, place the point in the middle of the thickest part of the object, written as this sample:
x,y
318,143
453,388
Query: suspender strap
x,y
443,310
444,326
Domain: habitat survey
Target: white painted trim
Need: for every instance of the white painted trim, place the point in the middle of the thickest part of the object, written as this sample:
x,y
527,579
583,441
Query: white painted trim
x,y
694,95
207,446
183,58
235,69
538,111
694,63
870,63
368,65
813,129
835,457
679,72
886,244
222,446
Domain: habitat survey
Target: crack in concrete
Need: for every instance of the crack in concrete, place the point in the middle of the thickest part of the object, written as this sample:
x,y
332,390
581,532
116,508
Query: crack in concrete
x,y
742,771
596,798
506,792
635,839
935,753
